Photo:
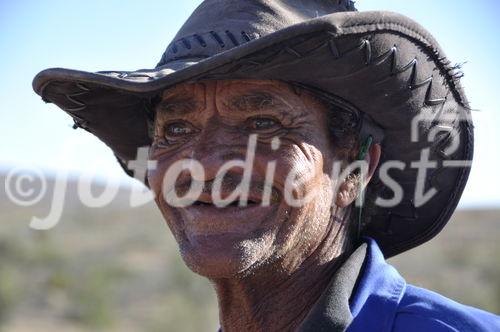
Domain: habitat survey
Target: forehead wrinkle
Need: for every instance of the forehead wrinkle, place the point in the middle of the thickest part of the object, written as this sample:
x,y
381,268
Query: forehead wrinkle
x,y
254,101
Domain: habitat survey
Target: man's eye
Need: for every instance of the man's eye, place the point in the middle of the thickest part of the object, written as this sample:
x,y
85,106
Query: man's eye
x,y
178,129
262,123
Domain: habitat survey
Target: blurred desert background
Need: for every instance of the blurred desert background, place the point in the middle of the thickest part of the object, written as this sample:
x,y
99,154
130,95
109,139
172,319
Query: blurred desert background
x,y
117,268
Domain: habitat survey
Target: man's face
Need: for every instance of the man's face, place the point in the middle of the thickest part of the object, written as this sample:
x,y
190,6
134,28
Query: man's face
x,y
211,122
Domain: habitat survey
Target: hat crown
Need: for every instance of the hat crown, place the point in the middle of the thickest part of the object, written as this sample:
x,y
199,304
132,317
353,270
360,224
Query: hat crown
x,y
219,25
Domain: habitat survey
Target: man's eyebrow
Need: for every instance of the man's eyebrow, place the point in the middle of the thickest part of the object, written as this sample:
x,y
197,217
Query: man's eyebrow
x,y
253,101
177,106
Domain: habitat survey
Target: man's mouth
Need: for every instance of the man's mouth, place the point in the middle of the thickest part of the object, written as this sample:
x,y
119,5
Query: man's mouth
x,y
234,203
206,200
204,218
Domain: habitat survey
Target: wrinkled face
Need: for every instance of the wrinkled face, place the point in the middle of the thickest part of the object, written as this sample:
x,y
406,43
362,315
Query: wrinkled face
x,y
212,122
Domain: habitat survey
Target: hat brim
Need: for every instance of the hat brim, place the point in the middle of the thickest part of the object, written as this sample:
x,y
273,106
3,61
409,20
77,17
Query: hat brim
x,y
383,63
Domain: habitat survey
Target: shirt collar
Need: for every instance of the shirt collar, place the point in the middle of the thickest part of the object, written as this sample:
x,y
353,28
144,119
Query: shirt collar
x,y
332,311
363,295
378,293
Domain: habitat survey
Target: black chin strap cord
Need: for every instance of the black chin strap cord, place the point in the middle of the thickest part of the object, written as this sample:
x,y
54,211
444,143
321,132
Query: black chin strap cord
x,y
363,151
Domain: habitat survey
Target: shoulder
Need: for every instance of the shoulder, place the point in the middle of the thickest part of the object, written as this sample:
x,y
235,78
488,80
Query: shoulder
x,y
424,310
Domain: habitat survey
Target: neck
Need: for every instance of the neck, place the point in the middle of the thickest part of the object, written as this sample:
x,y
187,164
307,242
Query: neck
x,y
274,299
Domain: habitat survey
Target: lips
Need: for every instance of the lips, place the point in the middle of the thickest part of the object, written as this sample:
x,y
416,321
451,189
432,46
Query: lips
x,y
235,203
206,200
205,218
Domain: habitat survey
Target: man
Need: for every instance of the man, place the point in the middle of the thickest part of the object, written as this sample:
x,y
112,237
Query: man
x,y
297,144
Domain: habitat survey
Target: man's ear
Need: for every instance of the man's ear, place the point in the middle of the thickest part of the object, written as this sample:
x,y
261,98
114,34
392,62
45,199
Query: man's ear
x,y
349,190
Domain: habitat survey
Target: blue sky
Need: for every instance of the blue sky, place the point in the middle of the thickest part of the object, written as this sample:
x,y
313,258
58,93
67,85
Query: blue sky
x,y
104,35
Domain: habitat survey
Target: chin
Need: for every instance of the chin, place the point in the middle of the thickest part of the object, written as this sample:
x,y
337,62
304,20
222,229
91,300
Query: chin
x,y
224,255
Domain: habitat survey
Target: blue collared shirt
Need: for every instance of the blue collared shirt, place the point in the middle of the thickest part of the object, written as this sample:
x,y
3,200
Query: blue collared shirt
x,y
383,301
368,295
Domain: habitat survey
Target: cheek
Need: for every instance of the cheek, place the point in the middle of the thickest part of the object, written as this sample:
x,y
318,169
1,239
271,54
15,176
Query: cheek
x,y
155,180
164,158
157,175
154,184
300,170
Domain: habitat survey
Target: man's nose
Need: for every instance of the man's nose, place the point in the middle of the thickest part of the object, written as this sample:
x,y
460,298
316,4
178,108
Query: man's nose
x,y
218,144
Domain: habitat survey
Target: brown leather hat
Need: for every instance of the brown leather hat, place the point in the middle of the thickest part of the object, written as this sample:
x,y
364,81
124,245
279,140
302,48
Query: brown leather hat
x,y
382,64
